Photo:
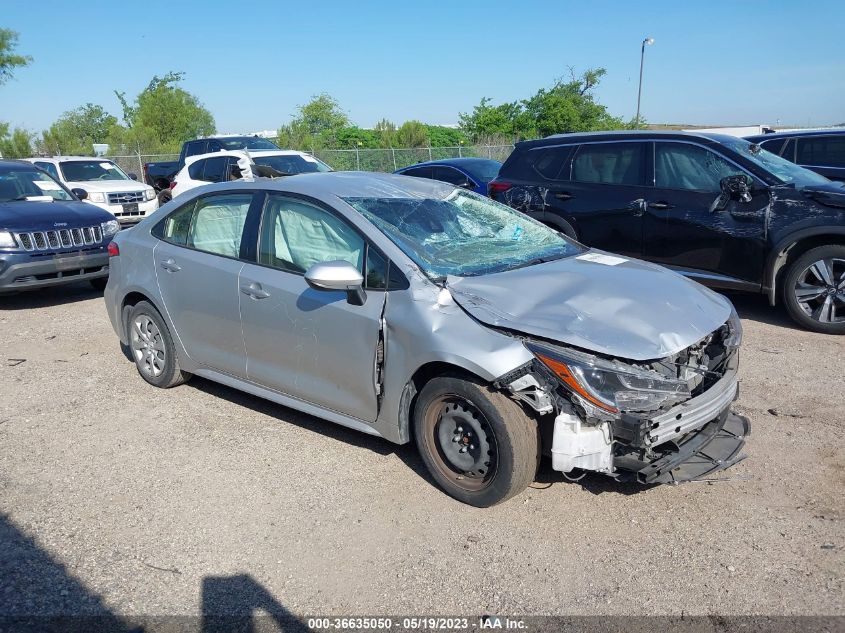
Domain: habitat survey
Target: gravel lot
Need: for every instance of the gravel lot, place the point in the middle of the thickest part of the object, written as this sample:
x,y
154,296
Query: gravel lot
x,y
119,498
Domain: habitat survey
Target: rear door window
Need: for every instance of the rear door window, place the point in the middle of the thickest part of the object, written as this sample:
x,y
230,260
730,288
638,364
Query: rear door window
x,y
690,167
821,151
550,162
419,172
192,148
195,169
215,169
610,164
774,146
218,223
450,175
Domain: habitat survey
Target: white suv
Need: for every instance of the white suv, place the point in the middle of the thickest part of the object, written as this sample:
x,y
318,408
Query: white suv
x,y
106,185
225,165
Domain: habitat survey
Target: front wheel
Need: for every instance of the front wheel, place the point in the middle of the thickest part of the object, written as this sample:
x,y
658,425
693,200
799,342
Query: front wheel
x,y
478,444
814,289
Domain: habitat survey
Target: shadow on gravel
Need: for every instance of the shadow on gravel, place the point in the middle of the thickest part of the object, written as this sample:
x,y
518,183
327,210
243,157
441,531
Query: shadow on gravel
x,y
406,452
756,308
231,603
46,297
37,594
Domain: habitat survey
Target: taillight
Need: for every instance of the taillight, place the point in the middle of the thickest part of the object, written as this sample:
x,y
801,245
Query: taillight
x,y
172,184
114,249
497,187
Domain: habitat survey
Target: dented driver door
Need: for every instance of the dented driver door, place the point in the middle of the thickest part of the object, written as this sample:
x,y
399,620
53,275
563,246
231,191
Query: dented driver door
x,y
685,228
306,343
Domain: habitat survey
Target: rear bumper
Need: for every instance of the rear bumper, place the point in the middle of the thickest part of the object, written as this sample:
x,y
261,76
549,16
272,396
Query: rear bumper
x,y
23,271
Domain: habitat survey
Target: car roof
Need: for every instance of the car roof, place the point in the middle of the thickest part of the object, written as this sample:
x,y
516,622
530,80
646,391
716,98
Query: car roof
x,y
627,135
9,163
793,133
242,153
65,159
345,184
466,161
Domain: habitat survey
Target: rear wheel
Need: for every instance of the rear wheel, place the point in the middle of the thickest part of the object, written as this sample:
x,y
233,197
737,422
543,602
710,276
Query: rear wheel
x,y
814,289
478,445
152,347
165,196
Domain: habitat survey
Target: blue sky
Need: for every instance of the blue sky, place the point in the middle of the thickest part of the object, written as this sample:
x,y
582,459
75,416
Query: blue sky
x,y
252,62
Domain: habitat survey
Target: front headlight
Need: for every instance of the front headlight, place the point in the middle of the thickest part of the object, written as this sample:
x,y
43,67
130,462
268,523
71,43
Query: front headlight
x,y
7,240
734,338
110,228
149,194
96,196
610,386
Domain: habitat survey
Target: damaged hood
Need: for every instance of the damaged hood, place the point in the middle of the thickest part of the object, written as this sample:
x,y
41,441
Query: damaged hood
x,y
599,302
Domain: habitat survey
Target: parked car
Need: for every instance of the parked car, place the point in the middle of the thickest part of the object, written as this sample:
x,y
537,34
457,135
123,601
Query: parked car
x,y
227,165
105,184
160,174
716,208
823,151
469,173
408,308
47,235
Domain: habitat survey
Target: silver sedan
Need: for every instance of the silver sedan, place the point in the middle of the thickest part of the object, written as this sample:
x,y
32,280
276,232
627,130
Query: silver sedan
x,y
414,310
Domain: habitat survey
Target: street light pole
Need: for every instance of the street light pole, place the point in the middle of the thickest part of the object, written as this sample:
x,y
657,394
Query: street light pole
x,y
646,42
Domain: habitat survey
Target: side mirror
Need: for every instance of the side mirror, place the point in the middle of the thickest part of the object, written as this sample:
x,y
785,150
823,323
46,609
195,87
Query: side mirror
x,y
80,193
338,275
736,187
132,175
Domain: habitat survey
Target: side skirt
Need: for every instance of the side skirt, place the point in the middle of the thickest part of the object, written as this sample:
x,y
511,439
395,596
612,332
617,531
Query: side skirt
x,y
287,401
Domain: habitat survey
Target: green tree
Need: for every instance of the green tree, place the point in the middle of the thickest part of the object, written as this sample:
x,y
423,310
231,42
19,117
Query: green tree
x,y
442,136
9,61
386,131
316,125
77,130
352,137
162,116
16,143
568,106
412,134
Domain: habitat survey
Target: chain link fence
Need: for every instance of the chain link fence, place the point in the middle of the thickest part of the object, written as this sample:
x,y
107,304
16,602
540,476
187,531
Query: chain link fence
x,y
386,160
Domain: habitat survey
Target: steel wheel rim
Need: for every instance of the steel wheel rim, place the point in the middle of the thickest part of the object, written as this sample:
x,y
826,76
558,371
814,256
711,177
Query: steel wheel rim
x,y
148,346
463,442
820,290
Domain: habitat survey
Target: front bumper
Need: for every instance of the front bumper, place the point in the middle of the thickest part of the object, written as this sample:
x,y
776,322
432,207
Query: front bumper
x,y
688,441
21,271
128,217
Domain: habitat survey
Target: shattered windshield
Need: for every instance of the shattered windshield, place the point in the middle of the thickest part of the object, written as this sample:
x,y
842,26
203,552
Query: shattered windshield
x,y
786,171
463,234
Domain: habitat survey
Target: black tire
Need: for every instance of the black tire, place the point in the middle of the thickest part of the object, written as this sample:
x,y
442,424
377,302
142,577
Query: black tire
x,y
152,348
562,226
99,283
830,302
164,196
501,443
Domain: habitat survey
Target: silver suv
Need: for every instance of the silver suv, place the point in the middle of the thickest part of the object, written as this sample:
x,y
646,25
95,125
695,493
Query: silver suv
x,y
412,309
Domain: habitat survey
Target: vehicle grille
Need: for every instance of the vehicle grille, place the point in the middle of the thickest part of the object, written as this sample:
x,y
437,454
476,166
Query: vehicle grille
x,y
64,238
126,197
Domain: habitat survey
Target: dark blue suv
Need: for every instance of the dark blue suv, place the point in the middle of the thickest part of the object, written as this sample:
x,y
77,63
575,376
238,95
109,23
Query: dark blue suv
x,y
48,236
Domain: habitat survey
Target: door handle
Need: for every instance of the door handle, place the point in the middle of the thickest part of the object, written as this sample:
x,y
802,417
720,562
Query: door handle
x,y
255,291
170,265
564,195
661,205
637,206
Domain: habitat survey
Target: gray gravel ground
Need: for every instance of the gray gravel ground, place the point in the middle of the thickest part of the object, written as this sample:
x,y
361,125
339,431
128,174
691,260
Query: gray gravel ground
x,y
119,498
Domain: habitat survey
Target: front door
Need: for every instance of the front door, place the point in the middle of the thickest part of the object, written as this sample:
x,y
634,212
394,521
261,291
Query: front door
x,y
601,193
684,228
309,344
197,264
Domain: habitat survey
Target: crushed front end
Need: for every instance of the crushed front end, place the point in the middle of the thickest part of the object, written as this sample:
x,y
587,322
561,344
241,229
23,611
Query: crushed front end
x,y
663,421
